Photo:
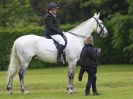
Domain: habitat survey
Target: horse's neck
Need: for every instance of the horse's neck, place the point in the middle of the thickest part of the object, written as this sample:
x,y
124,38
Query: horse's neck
x,y
84,29
74,39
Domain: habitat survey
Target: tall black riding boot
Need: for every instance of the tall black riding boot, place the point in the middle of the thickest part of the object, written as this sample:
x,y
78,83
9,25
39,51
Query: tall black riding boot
x,y
60,50
96,93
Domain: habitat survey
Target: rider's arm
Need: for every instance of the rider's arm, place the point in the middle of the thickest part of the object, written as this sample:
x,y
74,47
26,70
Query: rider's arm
x,y
51,26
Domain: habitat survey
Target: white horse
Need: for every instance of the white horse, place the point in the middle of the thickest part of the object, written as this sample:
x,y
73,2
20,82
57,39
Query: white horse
x,y
28,46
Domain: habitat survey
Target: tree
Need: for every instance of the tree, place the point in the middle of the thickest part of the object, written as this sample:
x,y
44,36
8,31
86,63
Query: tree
x,y
122,27
16,13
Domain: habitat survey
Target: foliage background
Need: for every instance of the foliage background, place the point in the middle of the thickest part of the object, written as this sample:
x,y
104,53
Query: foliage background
x,y
21,17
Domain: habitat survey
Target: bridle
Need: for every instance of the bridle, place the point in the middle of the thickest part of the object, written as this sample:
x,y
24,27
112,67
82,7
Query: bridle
x,y
101,28
82,36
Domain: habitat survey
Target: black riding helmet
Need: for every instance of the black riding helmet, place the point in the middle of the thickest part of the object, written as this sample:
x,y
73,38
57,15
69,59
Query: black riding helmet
x,y
52,5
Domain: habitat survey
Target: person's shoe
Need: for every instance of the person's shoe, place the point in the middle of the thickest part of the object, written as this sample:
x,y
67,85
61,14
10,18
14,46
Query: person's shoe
x,y
87,93
96,93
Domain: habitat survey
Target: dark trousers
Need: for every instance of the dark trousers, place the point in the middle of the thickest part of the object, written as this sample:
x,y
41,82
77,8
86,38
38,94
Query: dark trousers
x,y
91,78
81,72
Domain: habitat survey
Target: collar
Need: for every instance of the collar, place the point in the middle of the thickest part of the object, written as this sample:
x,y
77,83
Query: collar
x,y
52,14
89,45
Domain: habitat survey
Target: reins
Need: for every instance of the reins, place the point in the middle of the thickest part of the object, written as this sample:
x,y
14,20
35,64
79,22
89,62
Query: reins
x,y
82,36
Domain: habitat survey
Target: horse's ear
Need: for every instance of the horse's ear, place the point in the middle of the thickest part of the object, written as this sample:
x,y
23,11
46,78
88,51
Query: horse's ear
x,y
95,14
98,15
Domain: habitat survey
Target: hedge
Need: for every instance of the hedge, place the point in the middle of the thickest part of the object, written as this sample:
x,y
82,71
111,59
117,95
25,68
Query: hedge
x,y
109,54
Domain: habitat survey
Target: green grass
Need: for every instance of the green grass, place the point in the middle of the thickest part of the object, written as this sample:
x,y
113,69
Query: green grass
x,y
114,82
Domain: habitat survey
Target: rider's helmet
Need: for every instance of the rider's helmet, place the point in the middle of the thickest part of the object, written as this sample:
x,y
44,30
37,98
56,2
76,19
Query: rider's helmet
x,y
52,5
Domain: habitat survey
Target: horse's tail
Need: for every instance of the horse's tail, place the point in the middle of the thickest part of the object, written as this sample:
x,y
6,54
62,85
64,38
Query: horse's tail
x,y
14,65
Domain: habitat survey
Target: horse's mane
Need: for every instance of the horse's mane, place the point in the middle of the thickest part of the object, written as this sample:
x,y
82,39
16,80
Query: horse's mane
x,y
79,25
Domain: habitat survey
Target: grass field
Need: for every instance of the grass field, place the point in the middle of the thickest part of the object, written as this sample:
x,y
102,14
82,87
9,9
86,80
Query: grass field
x,y
114,82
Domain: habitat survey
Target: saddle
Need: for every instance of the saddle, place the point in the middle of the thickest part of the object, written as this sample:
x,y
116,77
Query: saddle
x,y
63,55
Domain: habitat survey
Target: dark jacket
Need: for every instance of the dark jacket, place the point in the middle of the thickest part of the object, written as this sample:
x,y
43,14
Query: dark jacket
x,y
52,25
88,56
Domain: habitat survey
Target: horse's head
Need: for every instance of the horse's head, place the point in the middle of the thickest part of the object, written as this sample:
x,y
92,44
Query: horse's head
x,y
99,27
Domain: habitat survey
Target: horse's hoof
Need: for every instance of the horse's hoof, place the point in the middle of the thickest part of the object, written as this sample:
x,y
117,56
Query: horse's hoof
x,y
70,91
74,91
26,92
9,91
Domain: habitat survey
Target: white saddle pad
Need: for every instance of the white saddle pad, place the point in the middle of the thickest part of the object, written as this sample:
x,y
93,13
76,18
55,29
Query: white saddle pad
x,y
49,45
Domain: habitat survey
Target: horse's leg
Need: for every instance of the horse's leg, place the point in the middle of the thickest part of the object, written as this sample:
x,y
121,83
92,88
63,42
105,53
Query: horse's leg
x,y
71,67
21,78
12,73
24,65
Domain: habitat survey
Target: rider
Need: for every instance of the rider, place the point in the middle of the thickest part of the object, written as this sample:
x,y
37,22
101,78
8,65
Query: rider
x,y
52,28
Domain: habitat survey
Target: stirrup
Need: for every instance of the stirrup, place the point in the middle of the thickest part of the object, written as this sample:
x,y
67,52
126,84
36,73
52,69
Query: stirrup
x,y
60,60
64,56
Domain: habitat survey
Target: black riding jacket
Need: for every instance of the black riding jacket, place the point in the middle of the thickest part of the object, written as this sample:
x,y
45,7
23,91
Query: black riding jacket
x,y
88,56
52,25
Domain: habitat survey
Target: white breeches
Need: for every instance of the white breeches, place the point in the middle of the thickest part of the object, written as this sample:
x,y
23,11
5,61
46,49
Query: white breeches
x,y
58,38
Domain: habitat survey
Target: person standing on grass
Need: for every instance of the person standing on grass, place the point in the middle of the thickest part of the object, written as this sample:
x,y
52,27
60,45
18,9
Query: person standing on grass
x,y
88,62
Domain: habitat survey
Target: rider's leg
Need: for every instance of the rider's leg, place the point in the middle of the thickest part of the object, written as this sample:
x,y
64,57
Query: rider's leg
x,y
61,42
60,51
